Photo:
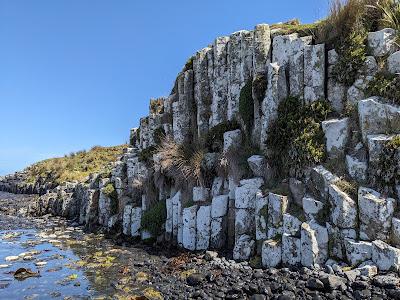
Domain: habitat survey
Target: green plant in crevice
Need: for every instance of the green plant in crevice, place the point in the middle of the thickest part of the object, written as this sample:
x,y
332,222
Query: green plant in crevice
x,y
246,105
387,170
154,218
295,139
146,155
385,85
158,135
109,191
214,140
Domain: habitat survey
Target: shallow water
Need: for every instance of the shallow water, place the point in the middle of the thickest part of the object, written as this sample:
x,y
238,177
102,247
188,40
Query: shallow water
x,y
75,265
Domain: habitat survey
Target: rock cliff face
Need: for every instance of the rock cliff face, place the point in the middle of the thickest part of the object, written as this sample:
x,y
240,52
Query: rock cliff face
x,y
317,220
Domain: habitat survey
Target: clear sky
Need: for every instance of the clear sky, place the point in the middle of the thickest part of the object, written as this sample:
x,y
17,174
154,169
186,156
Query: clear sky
x,y
79,73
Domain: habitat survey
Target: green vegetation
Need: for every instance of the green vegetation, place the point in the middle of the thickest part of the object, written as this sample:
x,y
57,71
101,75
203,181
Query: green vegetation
x,y
246,106
214,141
146,155
295,138
109,191
385,85
294,26
350,187
158,135
157,106
188,64
154,218
387,172
76,166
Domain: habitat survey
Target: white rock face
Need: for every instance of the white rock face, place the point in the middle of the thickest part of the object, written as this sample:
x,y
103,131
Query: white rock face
x,y
258,165
201,194
382,42
336,134
189,227
245,194
232,140
277,91
377,118
277,206
357,252
271,253
261,216
126,220
336,94
104,209
393,63
376,145
217,186
298,190
375,213
177,221
219,105
344,214
219,206
311,207
314,72
203,227
232,186
291,250
291,225
136,221
244,248
385,257
357,169
396,231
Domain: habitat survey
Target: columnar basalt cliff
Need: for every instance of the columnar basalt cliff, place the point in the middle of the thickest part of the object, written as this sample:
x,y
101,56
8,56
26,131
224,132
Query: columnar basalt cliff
x,y
201,173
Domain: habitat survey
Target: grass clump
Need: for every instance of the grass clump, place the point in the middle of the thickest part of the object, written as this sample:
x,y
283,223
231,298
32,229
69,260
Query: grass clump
x,y
109,191
295,139
154,218
246,105
157,106
385,85
214,141
74,167
350,187
182,162
387,172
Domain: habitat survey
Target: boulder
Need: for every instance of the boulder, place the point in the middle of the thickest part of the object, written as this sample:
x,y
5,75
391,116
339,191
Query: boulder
x,y
258,165
357,252
291,250
189,227
244,222
244,248
393,63
377,118
368,269
245,194
201,194
336,94
387,281
203,226
314,244
321,179
271,253
344,214
218,232
354,95
356,168
382,42
217,186
376,144
375,213
336,135
385,256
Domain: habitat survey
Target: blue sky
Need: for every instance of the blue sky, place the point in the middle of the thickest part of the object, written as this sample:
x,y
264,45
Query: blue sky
x,y
79,73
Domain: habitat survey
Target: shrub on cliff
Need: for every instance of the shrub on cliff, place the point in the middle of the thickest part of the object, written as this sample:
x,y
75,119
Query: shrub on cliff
x,y
385,85
295,139
154,218
74,167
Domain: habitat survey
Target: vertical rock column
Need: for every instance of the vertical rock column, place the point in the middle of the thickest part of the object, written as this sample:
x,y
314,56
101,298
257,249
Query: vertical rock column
x,y
219,105
314,72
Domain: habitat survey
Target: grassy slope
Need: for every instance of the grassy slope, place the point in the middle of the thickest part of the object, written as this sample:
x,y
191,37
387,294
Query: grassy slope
x,y
76,166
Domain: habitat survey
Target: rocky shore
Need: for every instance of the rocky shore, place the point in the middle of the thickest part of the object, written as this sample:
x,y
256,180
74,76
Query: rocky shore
x,y
173,274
